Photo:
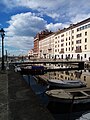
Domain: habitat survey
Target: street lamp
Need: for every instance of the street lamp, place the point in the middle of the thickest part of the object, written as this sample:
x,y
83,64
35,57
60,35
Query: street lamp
x,y
2,36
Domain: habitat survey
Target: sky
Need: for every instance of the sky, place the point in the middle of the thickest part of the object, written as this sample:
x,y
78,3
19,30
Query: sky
x,y
23,19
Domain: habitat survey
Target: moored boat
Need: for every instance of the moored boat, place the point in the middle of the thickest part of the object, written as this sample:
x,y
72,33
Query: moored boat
x,y
66,83
85,116
77,96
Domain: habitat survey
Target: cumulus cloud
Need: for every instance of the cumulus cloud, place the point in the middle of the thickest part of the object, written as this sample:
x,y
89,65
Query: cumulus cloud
x,y
25,24
22,29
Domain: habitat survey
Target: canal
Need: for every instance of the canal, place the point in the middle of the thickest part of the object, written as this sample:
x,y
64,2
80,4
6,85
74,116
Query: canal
x,y
39,87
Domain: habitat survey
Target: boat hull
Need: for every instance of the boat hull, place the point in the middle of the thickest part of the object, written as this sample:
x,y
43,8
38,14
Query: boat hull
x,y
61,84
66,103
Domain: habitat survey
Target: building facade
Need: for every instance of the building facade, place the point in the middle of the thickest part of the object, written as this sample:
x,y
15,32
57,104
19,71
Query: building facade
x,y
73,42
46,47
37,42
69,43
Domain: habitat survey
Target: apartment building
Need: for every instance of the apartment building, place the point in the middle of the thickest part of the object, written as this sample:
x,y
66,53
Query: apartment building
x,y
30,54
73,42
39,44
46,47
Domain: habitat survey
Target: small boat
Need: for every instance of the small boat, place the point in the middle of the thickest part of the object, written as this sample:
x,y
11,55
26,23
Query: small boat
x,y
85,116
66,83
74,96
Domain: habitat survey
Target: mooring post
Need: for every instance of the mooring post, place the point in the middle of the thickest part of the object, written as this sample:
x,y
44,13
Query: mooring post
x,y
29,80
71,108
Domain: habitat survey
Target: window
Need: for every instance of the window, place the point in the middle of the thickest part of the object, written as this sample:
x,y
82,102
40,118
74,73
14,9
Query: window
x,y
84,78
66,44
62,35
85,55
69,38
78,41
72,37
55,50
78,29
72,42
83,27
78,47
62,40
69,43
85,33
62,45
78,35
72,48
66,49
72,31
66,39
62,49
55,37
85,47
85,39
69,48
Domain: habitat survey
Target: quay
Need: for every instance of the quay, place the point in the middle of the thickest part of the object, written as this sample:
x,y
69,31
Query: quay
x,y
18,101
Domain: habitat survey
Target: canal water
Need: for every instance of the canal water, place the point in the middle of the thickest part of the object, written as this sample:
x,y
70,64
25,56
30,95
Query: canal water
x,y
59,113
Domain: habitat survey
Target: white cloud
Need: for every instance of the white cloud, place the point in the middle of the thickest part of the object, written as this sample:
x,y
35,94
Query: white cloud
x,y
56,9
22,28
56,26
79,18
16,44
25,24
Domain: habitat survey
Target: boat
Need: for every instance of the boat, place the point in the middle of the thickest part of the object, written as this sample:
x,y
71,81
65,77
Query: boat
x,y
66,83
85,116
75,96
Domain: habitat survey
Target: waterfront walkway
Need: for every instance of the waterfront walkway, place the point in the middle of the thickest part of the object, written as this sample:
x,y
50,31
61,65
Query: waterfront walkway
x,y
18,101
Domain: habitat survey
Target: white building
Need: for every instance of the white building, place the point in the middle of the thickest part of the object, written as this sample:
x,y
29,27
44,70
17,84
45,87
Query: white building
x,y
46,47
73,42
30,53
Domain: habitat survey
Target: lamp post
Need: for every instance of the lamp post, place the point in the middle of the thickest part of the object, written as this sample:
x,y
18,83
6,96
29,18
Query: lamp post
x,y
2,36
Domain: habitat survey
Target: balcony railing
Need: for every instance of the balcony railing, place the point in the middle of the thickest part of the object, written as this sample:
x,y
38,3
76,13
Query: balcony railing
x,y
62,51
78,50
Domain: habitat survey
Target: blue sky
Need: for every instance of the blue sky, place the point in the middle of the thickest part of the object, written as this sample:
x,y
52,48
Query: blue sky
x,y
23,19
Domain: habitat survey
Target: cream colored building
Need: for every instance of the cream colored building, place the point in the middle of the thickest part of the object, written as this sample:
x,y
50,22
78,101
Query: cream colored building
x,y
73,42
46,47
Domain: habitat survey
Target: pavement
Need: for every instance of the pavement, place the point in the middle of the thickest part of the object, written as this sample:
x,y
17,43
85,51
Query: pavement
x,y
18,101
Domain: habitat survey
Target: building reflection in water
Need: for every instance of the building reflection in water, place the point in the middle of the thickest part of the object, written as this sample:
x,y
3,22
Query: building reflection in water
x,y
83,75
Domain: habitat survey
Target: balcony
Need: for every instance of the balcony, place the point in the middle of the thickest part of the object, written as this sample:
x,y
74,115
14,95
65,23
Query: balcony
x,y
62,51
78,50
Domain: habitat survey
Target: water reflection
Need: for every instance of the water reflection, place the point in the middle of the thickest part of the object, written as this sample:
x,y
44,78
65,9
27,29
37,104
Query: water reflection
x,y
83,75
39,88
